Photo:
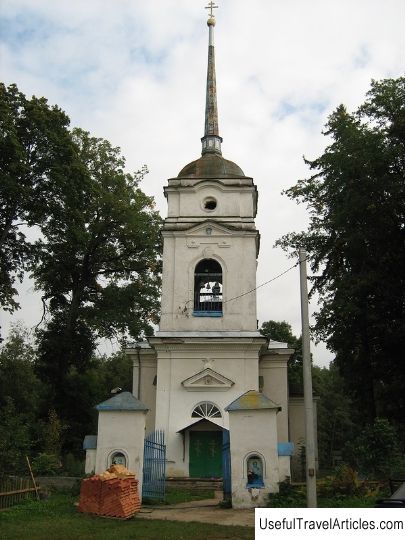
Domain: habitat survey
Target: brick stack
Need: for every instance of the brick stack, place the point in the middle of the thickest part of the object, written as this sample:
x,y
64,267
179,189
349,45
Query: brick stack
x,y
113,493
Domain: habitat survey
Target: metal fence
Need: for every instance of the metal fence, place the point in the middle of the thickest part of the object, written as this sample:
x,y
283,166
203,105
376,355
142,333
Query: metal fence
x,y
154,466
14,489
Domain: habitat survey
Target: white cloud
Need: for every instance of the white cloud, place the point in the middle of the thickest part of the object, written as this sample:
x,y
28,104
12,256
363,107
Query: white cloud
x,y
134,72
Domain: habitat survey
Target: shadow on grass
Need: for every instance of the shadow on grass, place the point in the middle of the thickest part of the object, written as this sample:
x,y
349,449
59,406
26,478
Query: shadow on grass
x,y
57,519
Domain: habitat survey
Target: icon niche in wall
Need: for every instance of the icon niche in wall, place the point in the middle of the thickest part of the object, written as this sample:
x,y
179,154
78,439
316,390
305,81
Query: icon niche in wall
x,y
255,471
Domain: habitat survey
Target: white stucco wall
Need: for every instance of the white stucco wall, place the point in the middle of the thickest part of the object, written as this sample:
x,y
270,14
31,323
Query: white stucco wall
x,y
121,431
273,369
231,240
253,432
235,198
235,252
144,381
90,464
235,359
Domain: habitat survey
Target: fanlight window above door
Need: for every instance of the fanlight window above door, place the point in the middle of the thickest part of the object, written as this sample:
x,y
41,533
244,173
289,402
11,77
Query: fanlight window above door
x,y
206,410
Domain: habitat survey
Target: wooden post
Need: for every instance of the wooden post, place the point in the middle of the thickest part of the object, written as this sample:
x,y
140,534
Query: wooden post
x,y
32,477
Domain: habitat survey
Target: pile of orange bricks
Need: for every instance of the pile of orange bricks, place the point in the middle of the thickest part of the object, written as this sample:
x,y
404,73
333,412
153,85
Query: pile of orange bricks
x,y
113,493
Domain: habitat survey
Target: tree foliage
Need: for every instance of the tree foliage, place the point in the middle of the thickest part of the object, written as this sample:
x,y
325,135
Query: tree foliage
x,y
98,260
29,424
98,267
96,257
20,395
336,418
35,151
375,451
356,246
282,331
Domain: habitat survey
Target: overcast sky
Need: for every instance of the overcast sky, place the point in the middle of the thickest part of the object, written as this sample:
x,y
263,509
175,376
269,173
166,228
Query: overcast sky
x,y
133,72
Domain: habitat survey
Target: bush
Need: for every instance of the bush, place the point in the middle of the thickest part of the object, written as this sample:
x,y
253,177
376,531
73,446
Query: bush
x,y
345,481
73,466
289,496
46,465
375,451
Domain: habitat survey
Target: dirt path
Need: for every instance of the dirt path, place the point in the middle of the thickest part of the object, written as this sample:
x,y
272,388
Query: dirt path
x,y
206,511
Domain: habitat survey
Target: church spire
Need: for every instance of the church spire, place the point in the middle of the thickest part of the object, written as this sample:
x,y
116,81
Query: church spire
x,y
211,142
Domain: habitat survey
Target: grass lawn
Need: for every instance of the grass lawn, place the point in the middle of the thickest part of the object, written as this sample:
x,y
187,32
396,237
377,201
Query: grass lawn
x,y
58,519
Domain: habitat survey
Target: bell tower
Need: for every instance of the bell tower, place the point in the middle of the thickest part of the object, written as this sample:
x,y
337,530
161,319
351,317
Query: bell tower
x,y
205,375
210,240
207,347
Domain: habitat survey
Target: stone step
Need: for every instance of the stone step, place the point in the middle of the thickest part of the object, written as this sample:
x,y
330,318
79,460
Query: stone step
x,y
194,484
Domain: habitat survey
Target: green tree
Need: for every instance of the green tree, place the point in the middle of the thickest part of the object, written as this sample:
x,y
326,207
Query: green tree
x,y
375,451
115,371
18,380
356,246
336,418
99,270
35,151
20,397
15,439
282,331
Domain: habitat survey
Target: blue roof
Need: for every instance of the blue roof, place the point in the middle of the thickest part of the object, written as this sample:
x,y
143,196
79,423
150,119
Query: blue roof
x,y
124,401
252,400
90,442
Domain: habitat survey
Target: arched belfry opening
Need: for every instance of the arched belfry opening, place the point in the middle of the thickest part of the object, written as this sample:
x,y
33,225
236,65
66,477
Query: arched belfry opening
x,y
208,282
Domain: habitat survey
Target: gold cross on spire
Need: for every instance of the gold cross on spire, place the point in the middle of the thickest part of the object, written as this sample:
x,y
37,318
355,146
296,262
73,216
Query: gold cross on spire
x,y
211,6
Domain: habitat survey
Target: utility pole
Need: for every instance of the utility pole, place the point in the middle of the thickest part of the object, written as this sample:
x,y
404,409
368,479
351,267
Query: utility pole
x,y
308,399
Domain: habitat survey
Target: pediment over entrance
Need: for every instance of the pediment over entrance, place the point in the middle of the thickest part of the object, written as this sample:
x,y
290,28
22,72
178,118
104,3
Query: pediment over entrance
x,y
208,379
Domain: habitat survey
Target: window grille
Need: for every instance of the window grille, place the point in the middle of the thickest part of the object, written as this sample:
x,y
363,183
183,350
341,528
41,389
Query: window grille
x,y
208,288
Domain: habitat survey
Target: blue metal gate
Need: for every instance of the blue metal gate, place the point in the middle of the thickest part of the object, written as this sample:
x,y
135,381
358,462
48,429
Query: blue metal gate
x,y
226,465
154,466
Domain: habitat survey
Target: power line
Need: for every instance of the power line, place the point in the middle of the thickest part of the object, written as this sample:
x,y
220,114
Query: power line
x,y
251,290
262,284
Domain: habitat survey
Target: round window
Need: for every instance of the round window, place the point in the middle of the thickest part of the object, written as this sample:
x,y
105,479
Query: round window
x,y
209,204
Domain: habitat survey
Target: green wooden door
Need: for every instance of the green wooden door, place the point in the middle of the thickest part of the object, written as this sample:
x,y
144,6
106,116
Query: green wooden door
x,y
205,454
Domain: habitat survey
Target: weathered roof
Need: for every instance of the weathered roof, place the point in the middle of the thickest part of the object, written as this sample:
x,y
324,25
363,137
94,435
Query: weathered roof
x,y
200,421
252,400
90,442
124,401
211,166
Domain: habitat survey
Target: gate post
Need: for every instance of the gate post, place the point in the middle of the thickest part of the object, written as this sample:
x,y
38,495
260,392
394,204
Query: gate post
x,y
226,466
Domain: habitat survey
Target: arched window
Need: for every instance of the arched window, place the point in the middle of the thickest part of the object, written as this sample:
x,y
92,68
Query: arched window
x,y
206,410
255,471
208,289
118,458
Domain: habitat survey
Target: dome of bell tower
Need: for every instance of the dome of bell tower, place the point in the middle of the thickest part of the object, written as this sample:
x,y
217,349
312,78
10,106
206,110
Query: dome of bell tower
x,y
211,166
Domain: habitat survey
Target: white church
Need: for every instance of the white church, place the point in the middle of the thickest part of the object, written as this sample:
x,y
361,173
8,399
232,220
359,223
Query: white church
x,y
208,377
